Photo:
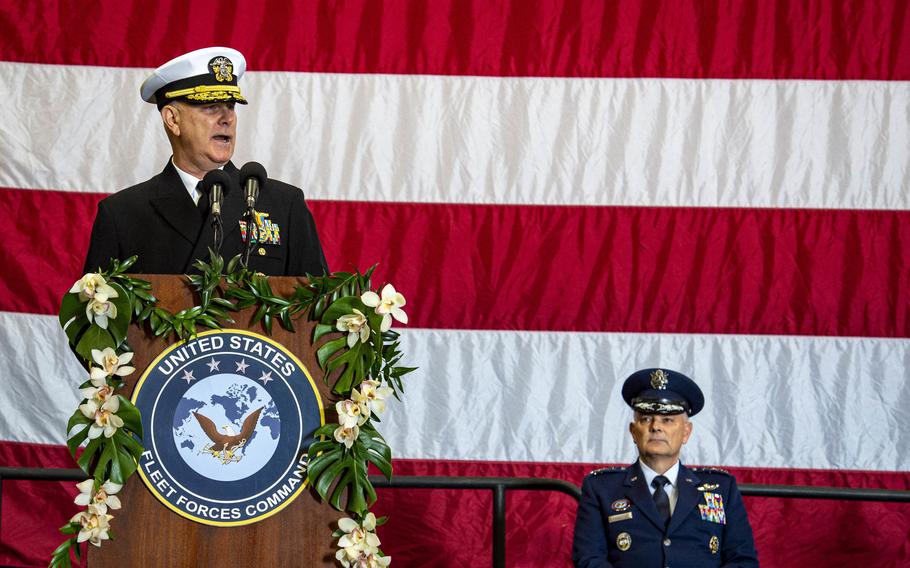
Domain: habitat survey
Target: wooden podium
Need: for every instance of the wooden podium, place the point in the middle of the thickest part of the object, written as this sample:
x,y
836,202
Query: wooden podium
x,y
148,534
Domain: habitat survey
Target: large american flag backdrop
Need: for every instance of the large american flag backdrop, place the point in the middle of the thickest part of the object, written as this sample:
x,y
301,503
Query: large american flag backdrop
x,y
565,192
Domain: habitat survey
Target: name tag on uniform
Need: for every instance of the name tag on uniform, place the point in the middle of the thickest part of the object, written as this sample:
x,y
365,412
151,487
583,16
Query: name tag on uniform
x,y
620,517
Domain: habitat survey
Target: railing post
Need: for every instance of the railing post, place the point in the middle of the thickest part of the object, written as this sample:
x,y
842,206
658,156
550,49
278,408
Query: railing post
x,y
499,526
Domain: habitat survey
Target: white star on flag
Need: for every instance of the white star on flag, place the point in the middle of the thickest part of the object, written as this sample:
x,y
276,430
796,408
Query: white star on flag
x,y
241,366
266,377
213,365
188,376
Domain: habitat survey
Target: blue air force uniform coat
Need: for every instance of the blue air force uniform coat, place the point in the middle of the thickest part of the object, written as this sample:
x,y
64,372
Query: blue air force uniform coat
x,y
618,524
158,221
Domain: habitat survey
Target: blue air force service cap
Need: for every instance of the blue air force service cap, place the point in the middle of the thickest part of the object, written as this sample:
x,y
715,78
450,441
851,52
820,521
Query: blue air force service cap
x,y
662,391
207,75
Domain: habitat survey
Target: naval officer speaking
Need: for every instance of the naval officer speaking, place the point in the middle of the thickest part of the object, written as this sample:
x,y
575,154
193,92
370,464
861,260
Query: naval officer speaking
x,y
172,220
658,513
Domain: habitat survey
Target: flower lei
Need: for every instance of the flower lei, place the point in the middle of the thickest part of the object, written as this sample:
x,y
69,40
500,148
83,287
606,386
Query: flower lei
x,y
95,314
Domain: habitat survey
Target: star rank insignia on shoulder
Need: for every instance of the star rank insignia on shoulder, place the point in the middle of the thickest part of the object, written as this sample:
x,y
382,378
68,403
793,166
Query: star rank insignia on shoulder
x,y
712,470
603,470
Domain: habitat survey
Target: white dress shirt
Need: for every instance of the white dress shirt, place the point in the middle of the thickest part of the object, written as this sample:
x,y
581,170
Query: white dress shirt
x,y
189,181
671,488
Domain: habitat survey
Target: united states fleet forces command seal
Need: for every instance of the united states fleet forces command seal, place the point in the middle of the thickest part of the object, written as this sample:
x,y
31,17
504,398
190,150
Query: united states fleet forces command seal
x,y
228,416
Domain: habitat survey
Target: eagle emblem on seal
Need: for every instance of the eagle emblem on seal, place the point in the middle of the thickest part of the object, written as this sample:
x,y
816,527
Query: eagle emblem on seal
x,y
224,446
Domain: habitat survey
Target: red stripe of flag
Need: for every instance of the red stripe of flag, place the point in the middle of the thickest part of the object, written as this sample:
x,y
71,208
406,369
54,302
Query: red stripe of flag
x,y
841,39
566,268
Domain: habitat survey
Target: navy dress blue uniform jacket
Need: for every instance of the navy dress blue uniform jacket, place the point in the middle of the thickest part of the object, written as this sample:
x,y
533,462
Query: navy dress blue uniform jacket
x,y
158,221
694,537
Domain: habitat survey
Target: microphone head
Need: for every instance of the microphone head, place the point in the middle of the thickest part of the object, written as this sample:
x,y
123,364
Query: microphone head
x,y
253,170
216,176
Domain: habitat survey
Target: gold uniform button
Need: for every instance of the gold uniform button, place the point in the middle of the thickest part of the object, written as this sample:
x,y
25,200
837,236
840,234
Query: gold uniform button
x,y
261,251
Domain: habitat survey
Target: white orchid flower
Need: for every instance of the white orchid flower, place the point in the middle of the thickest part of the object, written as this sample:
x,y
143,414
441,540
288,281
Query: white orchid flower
x,y
362,402
89,408
369,522
375,395
359,559
357,535
347,434
85,492
343,557
97,377
352,412
90,285
98,394
98,501
359,545
106,420
99,310
111,364
388,306
356,326
95,527
375,561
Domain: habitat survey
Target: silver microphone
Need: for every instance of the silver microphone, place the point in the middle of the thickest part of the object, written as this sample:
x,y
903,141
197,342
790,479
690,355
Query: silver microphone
x,y
217,182
252,176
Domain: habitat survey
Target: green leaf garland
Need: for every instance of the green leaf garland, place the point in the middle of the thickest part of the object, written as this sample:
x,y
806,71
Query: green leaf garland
x,y
338,473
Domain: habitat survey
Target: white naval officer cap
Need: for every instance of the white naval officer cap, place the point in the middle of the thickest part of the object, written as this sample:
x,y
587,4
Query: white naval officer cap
x,y
203,76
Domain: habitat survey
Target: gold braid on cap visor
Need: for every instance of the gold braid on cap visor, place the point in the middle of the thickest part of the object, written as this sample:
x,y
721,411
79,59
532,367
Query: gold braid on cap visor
x,y
208,93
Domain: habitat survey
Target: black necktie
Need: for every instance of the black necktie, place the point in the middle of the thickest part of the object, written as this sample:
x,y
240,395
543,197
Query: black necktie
x,y
661,499
203,204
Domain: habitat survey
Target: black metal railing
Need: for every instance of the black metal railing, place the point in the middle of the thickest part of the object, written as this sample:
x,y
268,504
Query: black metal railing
x,y
835,493
500,485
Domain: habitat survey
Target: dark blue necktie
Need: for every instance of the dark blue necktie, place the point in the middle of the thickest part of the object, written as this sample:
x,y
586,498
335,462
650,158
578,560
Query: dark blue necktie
x,y
661,499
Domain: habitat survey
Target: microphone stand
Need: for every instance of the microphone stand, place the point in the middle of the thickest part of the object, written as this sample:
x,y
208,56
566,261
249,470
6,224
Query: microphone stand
x,y
250,227
218,230
252,176
215,199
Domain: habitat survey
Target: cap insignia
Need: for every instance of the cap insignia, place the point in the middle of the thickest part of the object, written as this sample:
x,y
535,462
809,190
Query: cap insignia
x,y
222,68
659,379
